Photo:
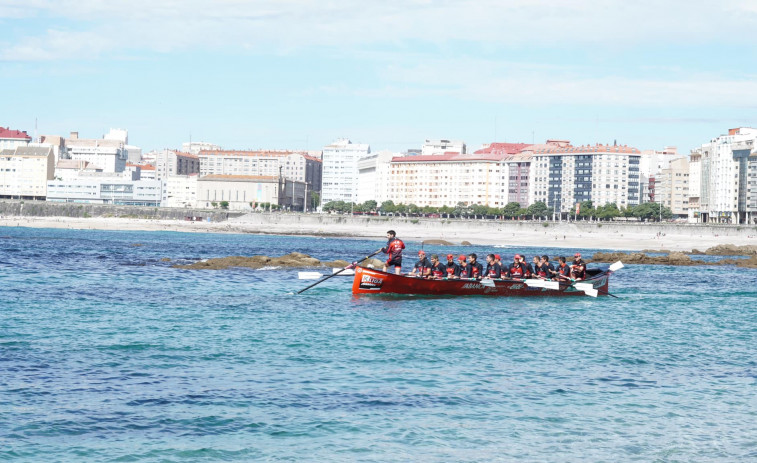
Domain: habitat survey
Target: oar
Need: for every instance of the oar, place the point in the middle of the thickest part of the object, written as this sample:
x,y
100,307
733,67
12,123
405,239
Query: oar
x,y
335,273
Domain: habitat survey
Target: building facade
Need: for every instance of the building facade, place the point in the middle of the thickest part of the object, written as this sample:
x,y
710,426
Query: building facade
x,y
340,171
108,155
373,177
106,189
24,172
10,139
566,175
247,192
673,187
722,166
437,147
180,190
170,162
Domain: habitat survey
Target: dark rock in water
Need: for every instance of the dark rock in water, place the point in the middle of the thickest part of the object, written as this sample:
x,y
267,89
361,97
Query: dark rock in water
x,y
292,260
336,263
466,243
165,259
438,242
136,245
374,263
674,258
731,250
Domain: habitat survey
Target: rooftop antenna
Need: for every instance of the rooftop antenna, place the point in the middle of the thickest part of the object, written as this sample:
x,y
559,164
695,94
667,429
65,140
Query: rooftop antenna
x,y
36,140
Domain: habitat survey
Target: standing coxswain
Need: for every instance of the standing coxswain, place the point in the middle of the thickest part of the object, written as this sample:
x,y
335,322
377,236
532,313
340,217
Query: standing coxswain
x,y
394,247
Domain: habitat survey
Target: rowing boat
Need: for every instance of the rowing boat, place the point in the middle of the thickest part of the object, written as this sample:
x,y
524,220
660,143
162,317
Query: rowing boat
x,y
372,281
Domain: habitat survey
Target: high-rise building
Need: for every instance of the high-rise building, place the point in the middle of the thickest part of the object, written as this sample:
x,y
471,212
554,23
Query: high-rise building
x,y
340,170
673,187
565,175
170,162
720,174
373,176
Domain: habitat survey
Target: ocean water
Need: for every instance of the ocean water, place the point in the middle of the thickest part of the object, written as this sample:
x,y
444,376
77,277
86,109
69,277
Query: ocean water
x,y
108,354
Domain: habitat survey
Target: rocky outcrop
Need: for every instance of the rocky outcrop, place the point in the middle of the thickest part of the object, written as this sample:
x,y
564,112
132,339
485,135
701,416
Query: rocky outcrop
x,y
466,243
438,242
292,260
673,258
728,250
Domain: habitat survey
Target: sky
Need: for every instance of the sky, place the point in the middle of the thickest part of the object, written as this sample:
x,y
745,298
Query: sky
x,y
298,74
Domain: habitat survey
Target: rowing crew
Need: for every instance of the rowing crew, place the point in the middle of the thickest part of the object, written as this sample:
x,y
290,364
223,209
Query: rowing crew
x,y
469,267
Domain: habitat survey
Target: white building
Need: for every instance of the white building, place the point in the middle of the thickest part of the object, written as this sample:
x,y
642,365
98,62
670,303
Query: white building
x,y
340,172
180,190
108,155
67,169
373,177
10,139
246,192
24,172
195,147
565,175
723,167
106,189
294,165
437,147
651,164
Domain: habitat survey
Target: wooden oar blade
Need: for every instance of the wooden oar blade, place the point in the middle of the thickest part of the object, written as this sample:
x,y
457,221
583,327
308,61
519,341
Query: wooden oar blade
x,y
616,266
309,275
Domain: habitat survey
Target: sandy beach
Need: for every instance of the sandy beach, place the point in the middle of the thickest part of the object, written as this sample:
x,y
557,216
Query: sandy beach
x,y
675,237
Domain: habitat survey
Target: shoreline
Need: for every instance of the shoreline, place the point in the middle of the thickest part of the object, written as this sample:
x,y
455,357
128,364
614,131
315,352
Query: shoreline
x,y
578,235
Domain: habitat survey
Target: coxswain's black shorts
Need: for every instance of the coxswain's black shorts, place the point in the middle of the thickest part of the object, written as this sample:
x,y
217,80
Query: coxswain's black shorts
x,y
396,261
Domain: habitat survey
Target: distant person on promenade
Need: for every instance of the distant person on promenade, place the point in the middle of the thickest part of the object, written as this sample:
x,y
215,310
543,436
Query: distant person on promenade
x,y
394,247
453,270
422,268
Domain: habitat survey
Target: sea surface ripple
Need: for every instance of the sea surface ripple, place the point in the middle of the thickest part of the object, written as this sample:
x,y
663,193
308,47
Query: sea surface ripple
x,y
108,354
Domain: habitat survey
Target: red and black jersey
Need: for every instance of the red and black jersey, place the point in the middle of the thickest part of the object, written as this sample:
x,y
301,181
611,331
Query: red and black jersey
x,y
422,265
563,270
476,270
494,270
439,270
516,270
453,270
394,248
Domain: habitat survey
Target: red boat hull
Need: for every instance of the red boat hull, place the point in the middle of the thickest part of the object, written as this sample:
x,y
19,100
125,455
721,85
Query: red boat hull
x,y
371,281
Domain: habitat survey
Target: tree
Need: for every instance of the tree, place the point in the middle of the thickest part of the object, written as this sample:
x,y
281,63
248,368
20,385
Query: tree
x,y
315,199
369,206
608,212
224,204
511,209
388,207
586,209
214,204
538,209
479,209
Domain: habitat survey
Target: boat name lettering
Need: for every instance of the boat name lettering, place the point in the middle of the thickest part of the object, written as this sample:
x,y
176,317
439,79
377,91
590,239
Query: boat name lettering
x,y
473,286
371,283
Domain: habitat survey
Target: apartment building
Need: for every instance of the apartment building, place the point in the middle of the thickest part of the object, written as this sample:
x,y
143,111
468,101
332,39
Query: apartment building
x,y
672,189
106,188
340,170
245,192
438,147
25,170
171,162
565,175
720,173
108,155
294,165
180,190
373,176
10,139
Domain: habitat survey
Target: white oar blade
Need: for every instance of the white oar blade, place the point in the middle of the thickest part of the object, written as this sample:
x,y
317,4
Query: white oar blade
x,y
616,266
591,292
583,286
552,284
344,272
488,283
535,283
309,275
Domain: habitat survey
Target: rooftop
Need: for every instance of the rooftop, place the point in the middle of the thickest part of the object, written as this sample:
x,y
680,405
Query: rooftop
x,y
503,148
589,149
6,132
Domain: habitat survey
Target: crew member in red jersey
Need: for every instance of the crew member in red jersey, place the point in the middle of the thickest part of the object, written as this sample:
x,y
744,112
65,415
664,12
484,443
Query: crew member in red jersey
x,y
394,247
463,267
562,272
453,270
498,259
438,270
578,268
493,269
528,270
546,269
516,270
422,268
476,269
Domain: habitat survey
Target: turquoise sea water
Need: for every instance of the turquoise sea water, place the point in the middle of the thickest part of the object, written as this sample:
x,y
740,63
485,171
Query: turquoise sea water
x,y
109,354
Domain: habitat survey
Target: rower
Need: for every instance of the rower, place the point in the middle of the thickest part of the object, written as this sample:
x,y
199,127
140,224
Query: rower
x,y
463,267
528,270
562,272
578,268
422,267
394,247
437,270
493,269
498,259
536,266
476,269
453,270
516,269
546,270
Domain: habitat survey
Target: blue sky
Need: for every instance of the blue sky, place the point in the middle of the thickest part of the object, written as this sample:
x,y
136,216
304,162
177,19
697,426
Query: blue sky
x,y
295,74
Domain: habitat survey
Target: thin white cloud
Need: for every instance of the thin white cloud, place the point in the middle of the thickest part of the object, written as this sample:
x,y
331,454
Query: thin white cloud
x,y
268,25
